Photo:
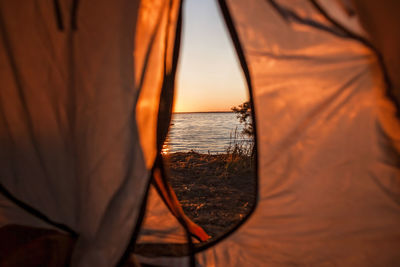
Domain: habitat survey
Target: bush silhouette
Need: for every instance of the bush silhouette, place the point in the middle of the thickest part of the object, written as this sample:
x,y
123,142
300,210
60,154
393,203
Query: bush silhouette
x,y
243,113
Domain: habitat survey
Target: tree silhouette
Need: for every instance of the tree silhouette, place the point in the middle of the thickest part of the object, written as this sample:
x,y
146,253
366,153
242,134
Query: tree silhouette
x,y
243,113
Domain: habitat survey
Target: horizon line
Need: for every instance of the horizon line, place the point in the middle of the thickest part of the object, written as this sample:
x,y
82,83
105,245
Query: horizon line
x,y
203,111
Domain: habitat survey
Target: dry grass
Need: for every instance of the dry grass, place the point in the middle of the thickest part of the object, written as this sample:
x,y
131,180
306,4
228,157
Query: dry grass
x,y
239,154
216,191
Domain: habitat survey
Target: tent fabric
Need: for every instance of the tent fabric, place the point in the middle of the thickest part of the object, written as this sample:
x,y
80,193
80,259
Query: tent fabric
x,y
328,147
159,225
328,144
80,130
74,146
31,246
382,24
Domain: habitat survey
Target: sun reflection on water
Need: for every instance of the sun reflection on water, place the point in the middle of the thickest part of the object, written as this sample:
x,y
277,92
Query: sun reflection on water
x,y
165,149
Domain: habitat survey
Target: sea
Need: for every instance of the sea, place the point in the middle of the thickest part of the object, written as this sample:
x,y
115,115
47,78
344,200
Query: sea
x,y
208,132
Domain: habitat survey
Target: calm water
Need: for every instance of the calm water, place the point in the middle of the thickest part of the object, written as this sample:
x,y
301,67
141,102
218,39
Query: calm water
x,y
201,132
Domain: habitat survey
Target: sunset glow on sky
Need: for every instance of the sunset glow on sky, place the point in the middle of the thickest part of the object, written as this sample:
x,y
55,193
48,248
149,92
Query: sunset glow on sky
x,y
209,77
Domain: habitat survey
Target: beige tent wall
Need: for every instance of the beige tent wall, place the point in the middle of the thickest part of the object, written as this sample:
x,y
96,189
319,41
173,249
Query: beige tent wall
x,y
382,22
159,225
78,121
78,114
329,192
327,133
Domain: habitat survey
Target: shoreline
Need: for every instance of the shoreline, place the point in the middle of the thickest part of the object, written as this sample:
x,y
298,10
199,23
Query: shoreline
x,y
194,112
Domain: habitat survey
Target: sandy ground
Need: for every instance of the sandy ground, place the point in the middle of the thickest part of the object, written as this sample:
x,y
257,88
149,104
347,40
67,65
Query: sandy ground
x,y
216,191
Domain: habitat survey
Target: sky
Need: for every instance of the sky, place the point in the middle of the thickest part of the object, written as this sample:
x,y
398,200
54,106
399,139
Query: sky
x,y
209,77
